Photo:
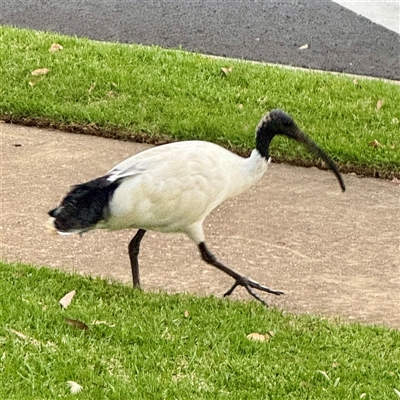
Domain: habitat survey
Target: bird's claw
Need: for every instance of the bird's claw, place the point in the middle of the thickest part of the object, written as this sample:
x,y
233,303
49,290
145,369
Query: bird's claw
x,y
249,285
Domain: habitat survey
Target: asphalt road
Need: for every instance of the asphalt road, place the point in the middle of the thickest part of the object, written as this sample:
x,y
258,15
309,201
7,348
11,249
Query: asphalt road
x,y
268,30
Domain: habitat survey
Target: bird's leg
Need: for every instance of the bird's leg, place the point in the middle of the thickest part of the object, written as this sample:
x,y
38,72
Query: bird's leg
x,y
240,280
133,247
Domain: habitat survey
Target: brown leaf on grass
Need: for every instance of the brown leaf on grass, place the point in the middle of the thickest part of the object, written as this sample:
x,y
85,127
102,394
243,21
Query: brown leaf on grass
x,y
379,104
19,334
25,337
40,71
55,47
323,373
240,106
103,323
75,323
304,47
375,144
226,71
66,300
186,314
259,337
112,94
356,84
92,86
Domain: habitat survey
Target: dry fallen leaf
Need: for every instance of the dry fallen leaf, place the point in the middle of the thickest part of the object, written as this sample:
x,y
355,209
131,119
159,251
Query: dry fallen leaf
x,y
75,323
19,334
66,300
112,94
304,47
103,323
379,104
226,71
375,144
186,314
74,387
240,106
259,337
25,337
55,47
336,383
324,374
40,71
92,86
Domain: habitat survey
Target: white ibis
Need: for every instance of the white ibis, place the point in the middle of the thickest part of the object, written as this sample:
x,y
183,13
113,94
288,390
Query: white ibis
x,y
172,188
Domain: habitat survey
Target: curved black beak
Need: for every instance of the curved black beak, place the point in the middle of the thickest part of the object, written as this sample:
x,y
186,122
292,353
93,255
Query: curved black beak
x,y
301,137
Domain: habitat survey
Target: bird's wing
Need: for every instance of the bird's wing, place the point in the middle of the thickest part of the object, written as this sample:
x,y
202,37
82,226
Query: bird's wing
x,y
145,161
119,171
171,160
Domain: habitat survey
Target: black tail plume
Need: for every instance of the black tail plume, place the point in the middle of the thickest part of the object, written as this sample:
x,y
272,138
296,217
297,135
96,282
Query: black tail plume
x,y
84,206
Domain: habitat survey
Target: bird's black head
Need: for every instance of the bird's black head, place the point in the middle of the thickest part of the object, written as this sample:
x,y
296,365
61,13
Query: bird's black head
x,y
276,122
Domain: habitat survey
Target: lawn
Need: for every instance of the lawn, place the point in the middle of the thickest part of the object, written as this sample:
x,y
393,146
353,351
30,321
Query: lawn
x,y
140,345
152,94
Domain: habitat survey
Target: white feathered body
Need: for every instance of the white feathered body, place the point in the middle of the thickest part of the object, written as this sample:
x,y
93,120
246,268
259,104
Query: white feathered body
x,y
172,188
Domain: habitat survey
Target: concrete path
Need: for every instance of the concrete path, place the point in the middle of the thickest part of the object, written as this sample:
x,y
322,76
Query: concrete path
x,y
332,253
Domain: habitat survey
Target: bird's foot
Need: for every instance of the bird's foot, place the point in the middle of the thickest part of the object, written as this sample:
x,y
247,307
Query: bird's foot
x,y
249,285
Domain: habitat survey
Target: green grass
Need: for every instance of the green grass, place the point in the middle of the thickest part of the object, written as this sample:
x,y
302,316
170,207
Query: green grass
x,y
149,93
159,346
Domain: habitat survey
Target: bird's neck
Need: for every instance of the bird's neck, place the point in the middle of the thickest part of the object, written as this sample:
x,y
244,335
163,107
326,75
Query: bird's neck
x,y
263,140
255,166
